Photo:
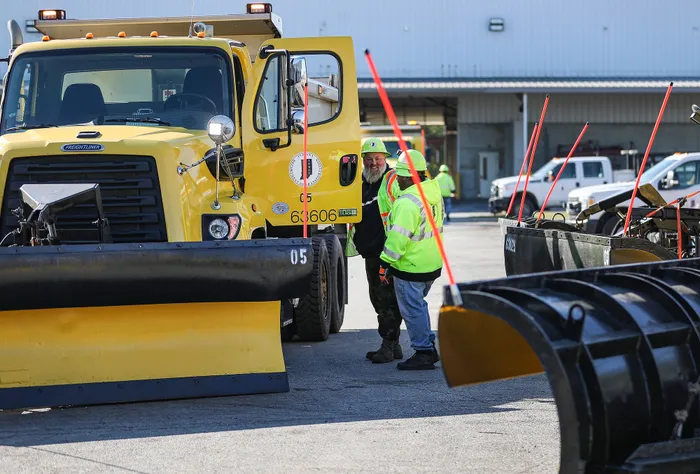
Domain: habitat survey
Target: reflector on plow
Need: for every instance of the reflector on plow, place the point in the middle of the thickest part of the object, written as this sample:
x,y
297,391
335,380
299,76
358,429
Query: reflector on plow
x,y
89,324
620,347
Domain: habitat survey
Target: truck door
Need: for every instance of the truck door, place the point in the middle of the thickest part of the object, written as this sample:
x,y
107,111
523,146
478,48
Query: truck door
x,y
593,173
686,180
568,181
273,125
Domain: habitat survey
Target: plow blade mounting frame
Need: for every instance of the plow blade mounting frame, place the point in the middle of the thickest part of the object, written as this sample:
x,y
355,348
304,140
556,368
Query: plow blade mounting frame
x,y
620,347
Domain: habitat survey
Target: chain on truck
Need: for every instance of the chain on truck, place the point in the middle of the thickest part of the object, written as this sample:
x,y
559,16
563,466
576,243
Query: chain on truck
x,y
151,199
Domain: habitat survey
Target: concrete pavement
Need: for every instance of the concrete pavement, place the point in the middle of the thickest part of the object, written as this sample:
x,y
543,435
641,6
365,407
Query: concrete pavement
x,y
343,413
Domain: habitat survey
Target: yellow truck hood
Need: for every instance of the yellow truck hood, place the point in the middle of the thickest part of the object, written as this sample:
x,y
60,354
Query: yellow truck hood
x,y
118,139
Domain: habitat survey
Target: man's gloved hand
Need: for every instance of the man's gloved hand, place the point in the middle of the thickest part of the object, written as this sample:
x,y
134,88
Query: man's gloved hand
x,y
383,272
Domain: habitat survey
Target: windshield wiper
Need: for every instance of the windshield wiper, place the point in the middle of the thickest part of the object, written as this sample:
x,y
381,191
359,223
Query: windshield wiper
x,y
30,127
139,119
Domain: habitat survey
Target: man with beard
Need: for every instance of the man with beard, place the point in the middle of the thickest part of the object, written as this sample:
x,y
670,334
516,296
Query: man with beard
x,y
368,238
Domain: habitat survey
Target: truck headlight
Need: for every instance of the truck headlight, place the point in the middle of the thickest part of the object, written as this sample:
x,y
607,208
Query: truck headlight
x,y
221,129
220,227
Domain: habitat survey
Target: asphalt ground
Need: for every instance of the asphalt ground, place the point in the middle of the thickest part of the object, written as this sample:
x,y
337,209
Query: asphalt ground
x,y
343,413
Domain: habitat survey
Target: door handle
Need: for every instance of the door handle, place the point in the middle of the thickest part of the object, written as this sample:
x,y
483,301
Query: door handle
x,y
577,184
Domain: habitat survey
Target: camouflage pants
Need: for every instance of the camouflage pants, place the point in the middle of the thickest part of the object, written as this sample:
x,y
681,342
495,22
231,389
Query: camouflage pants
x,y
383,298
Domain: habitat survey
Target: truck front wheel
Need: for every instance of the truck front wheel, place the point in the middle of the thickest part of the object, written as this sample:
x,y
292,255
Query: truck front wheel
x,y
337,274
312,316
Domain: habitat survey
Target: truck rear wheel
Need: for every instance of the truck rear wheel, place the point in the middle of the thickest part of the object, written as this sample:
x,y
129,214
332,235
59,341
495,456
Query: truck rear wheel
x,y
337,273
312,316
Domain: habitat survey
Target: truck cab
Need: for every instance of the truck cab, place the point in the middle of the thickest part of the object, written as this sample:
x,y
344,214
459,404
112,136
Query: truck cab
x,y
193,130
580,171
673,177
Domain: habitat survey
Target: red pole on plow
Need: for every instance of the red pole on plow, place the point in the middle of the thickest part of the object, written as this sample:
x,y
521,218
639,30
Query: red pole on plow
x,y
532,158
644,161
522,168
571,152
456,296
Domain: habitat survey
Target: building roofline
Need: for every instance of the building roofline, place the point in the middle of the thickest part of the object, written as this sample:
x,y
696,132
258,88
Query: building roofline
x,y
534,84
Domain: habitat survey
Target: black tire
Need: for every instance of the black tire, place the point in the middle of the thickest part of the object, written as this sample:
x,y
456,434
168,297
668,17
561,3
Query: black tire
x,y
312,316
337,272
528,208
611,224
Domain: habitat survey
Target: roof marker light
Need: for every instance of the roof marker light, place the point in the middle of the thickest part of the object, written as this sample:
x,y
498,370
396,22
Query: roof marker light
x,y
252,8
45,38
122,34
52,14
89,36
154,34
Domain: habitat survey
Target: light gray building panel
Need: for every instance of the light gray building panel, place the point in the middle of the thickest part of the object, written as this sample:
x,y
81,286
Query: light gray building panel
x,y
577,108
449,39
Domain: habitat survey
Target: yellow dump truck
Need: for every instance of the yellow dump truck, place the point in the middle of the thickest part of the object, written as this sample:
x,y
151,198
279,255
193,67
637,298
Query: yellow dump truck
x,y
152,205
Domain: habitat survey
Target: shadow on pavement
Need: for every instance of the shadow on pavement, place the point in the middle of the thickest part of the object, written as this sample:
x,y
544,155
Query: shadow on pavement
x,y
330,382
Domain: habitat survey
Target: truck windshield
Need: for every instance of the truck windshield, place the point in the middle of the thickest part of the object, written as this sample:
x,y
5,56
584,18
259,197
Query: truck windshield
x,y
658,169
153,86
393,147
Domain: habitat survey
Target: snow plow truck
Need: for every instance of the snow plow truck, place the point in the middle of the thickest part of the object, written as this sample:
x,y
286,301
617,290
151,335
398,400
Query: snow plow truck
x,y
152,205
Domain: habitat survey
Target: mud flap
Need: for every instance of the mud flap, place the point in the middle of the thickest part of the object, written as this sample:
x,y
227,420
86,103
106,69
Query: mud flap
x,y
92,324
619,345
563,247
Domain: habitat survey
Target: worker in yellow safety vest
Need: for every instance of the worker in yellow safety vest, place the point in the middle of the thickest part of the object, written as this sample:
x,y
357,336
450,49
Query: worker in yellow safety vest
x,y
411,257
366,238
447,189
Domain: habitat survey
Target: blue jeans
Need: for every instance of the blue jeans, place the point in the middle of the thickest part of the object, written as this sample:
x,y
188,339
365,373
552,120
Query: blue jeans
x,y
414,311
448,205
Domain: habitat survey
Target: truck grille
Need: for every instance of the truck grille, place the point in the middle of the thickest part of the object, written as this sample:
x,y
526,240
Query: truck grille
x,y
130,191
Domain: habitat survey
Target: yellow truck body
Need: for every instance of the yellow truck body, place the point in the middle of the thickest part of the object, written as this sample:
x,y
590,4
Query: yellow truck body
x,y
112,136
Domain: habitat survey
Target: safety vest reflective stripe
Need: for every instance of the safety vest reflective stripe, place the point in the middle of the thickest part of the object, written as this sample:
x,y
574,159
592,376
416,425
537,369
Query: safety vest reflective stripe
x,y
390,183
414,237
422,234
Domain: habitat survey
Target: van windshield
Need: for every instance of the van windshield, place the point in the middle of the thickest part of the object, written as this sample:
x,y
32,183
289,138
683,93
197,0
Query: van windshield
x,y
153,86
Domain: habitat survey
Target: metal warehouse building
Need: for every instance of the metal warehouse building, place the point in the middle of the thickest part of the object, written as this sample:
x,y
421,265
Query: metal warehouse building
x,y
479,68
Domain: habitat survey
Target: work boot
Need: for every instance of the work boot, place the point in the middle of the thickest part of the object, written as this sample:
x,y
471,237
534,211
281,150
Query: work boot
x,y
421,360
436,355
388,348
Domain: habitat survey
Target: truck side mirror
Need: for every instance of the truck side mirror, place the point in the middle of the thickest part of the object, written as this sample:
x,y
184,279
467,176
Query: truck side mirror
x,y
669,182
299,79
695,116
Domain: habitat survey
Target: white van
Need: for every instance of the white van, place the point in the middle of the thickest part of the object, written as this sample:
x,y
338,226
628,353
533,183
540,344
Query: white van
x,y
675,176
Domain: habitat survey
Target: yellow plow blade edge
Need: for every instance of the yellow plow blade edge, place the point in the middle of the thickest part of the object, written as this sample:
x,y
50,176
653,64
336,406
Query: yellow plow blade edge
x,y
476,347
91,355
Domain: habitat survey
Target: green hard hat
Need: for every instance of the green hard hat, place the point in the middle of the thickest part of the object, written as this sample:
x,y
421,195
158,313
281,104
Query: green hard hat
x,y
402,168
444,169
374,145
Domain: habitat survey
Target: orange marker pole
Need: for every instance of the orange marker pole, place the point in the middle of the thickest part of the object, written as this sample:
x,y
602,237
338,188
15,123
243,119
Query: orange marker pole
x,y
304,162
644,161
456,296
522,168
532,159
554,183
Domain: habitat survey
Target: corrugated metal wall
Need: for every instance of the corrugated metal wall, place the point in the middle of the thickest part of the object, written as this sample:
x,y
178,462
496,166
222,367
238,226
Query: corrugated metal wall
x,y
577,108
447,38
